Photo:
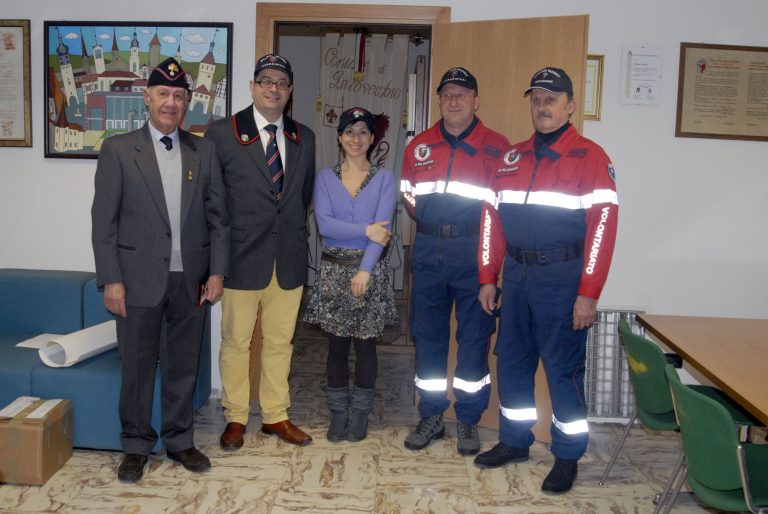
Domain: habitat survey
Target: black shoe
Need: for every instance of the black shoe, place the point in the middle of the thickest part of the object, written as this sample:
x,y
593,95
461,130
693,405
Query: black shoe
x,y
191,458
131,468
499,455
429,429
561,478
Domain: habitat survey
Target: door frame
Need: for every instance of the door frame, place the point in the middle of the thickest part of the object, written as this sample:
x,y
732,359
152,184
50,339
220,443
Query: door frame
x,y
269,14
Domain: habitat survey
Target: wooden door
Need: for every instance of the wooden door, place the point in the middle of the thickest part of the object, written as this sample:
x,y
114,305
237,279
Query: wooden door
x,y
503,55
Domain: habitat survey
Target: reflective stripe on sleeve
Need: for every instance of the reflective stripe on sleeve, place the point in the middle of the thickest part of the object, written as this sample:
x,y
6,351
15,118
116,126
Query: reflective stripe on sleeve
x,y
571,428
562,200
604,196
432,384
471,387
528,414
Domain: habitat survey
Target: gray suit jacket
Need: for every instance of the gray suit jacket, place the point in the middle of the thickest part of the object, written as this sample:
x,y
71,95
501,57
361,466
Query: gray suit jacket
x,y
131,232
265,232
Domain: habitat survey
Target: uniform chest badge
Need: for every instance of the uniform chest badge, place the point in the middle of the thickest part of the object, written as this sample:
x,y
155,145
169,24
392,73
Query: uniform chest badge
x,y
244,138
421,152
510,159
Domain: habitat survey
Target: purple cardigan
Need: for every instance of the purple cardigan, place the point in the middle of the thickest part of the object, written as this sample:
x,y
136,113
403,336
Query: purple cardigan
x,y
342,219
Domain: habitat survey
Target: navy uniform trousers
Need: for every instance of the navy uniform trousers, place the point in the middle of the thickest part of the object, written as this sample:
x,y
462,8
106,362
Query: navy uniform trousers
x,y
537,321
435,289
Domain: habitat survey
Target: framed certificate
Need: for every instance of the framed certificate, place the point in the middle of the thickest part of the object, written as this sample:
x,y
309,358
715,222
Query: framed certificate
x,y
15,98
722,92
593,87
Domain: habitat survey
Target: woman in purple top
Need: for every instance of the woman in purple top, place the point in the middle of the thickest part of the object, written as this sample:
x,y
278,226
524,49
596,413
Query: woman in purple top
x,y
352,299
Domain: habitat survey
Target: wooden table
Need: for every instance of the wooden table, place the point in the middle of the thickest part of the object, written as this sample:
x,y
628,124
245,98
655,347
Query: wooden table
x,y
731,352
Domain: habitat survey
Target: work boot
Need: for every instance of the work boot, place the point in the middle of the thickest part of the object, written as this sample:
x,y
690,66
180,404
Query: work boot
x,y
469,440
561,478
360,406
429,428
337,399
499,455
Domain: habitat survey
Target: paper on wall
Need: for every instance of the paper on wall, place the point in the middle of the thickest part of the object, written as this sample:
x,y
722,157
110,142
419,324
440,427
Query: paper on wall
x,y
72,348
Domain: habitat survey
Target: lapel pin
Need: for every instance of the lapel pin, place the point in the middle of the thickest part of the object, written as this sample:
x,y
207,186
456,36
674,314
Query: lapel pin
x,y
244,138
189,175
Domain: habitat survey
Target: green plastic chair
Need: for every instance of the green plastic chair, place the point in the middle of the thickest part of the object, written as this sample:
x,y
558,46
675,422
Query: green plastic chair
x,y
653,401
722,472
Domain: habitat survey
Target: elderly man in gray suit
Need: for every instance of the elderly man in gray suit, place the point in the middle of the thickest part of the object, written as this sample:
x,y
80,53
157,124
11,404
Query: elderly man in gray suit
x,y
268,167
161,243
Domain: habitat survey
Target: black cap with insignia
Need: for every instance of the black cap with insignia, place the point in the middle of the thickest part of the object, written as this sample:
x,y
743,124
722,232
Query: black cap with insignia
x,y
168,73
554,80
459,76
354,115
274,62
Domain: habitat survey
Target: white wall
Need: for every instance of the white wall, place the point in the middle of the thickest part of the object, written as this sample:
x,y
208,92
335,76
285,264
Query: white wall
x,y
693,215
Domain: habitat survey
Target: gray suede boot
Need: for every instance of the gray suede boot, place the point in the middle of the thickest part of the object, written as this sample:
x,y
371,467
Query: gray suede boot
x,y
337,399
362,405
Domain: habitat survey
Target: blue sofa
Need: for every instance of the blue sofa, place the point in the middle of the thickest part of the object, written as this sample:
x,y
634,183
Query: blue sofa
x,y
59,302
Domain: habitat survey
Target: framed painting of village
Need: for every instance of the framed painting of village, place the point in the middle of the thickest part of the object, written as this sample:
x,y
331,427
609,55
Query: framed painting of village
x,y
96,74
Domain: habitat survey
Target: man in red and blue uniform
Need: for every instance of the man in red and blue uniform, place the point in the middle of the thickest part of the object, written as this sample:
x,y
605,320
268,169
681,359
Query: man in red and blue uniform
x,y
558,209
446,177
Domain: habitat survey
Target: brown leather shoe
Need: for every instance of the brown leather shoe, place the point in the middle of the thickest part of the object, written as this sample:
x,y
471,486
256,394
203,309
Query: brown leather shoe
x,y
287,431
232,438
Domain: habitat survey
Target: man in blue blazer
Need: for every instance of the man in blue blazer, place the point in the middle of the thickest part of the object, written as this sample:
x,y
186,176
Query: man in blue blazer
x,y
161,243
268,167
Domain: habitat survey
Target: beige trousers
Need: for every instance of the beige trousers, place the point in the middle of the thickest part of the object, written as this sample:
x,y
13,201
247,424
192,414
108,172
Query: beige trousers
x,y
279,310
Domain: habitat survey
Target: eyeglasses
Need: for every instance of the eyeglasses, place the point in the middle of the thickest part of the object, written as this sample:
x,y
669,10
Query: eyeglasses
x,y
268,83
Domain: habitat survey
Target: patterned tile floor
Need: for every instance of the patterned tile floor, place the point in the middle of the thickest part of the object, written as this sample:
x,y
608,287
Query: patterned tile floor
x,y
377,475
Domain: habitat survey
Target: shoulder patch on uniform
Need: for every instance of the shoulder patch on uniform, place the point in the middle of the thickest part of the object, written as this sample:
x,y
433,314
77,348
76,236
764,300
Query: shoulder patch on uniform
x,y
612,172
491,150
579,153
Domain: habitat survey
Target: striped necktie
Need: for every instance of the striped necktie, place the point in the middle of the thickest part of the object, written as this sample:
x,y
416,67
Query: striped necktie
x,y
167,141
274,161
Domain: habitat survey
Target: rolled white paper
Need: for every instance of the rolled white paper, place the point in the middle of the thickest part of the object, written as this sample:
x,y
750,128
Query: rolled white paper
x,y
72,348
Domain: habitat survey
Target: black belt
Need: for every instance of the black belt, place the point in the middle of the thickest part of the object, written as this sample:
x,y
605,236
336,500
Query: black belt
x,y
562,253
342,260
447,230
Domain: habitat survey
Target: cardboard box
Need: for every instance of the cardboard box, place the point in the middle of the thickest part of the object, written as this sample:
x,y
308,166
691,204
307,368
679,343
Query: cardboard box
x,y
35,439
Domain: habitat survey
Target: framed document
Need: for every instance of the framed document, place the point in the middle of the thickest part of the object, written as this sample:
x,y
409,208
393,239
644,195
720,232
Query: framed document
x,y
97,73
722,92
15,98
593,87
